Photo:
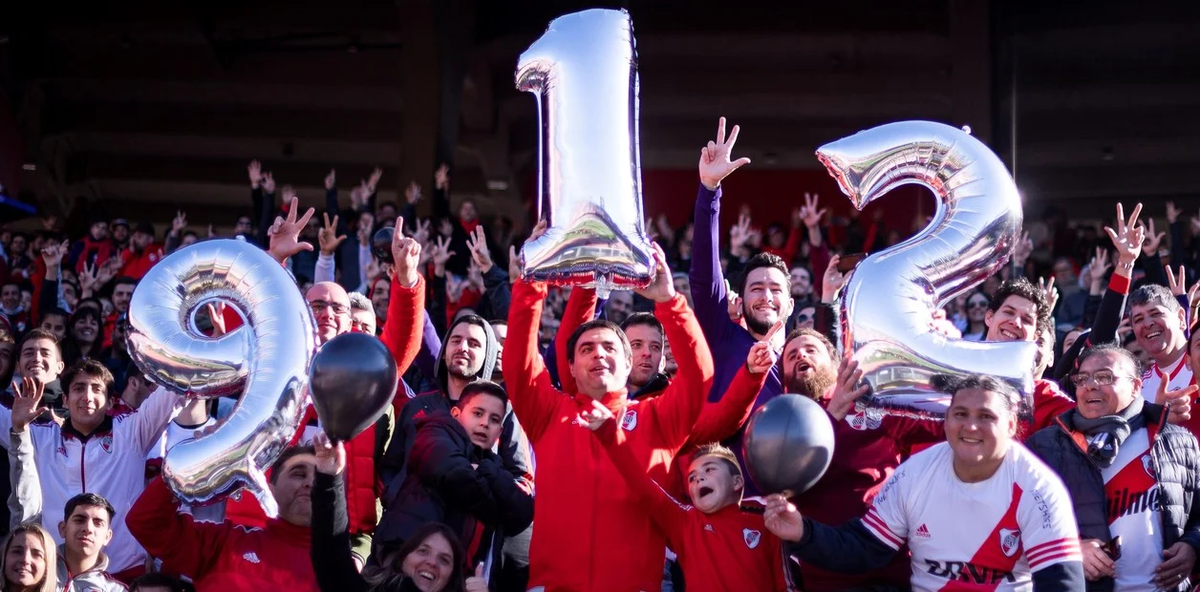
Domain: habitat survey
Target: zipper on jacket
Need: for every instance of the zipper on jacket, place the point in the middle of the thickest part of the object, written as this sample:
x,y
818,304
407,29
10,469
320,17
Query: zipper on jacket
x,y
82,471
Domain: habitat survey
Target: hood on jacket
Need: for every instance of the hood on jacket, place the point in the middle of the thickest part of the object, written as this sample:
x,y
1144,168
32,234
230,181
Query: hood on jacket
x,y
490,349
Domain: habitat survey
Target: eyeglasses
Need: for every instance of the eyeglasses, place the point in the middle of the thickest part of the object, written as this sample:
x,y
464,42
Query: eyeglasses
x,y
319,306
804,317
1101,378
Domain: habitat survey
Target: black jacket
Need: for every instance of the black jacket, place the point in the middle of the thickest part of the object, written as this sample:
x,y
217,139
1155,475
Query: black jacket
x,y
482,504
332,560
1175,458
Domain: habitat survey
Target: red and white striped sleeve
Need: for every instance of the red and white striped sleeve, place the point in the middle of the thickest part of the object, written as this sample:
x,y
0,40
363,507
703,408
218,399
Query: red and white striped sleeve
x,y
1047,520
887,519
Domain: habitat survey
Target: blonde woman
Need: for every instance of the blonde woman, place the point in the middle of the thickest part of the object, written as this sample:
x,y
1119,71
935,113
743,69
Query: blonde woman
x,y
29,553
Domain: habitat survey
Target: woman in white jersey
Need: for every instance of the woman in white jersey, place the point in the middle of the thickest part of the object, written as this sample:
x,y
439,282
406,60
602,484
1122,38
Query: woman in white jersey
x,y
978,512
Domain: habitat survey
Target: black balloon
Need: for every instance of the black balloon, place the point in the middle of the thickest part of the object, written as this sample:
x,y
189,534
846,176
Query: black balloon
x,y
381,244
352,380
788,445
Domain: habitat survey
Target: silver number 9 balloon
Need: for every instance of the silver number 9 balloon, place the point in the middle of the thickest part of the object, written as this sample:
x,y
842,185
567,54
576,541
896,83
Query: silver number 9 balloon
x,y
266,360
888,301
583,73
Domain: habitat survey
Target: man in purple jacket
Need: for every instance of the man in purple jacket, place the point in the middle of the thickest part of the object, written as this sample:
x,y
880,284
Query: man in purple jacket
x,y
766,289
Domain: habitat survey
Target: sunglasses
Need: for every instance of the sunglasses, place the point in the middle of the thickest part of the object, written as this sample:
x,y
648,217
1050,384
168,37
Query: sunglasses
x,y
977,305
804,317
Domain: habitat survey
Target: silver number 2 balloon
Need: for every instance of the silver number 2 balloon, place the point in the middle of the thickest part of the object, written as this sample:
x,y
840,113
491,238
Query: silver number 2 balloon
x,y
266,360
888,301
583,73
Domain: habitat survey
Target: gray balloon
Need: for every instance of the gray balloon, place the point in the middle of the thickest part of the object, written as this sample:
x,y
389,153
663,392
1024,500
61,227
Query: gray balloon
x,y
352,381
788,445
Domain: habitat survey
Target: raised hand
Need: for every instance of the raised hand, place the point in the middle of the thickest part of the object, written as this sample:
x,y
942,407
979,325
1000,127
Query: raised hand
x,y
1153,240
441,254
846,390
480,255
1046,285
1022,250
832,281
406,254
268,183
256,174
372,182
662,287
1098,267
477,583
365,223
422,231
88,280
1177,282
783,519
595,417
1193,294
809,213
331,179
1172,212
53,253
331,456
1178,402
216,315
1128,237
110,269
733,304
762,356
715,162
412,193
739,234
441,177
475,276
26,403
284,234
178,223
327,235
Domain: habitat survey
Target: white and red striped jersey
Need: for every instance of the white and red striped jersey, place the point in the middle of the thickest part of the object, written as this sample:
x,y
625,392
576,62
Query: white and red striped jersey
x,y
1177,375
990,535
1135,513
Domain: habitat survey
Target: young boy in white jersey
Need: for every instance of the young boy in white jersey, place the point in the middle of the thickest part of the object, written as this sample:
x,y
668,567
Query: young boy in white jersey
x,y
977,509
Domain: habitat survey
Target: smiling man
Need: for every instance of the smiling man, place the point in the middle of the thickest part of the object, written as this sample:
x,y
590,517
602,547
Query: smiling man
x,y
95,451
225,557
1159,326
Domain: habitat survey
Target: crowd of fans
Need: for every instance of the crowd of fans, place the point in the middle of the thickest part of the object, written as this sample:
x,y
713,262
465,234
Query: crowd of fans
x,y
598,445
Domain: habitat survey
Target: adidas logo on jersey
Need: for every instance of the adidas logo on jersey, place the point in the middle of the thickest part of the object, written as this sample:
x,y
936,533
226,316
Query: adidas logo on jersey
x,y
251,556
923,531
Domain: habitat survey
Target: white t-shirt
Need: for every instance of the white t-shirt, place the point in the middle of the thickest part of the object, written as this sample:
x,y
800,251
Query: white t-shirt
x,y
1135,513
175,434
995,533
1178,376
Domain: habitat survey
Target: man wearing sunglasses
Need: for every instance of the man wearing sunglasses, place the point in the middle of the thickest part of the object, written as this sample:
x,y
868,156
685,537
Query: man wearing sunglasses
x,y
1131,476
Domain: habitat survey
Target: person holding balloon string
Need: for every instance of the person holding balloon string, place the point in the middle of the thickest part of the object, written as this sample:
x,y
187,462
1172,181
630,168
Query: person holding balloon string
x,y
721,544
997,516
617,548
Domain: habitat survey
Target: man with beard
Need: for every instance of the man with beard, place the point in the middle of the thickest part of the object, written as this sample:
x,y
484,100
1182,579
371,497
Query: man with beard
x,y
143,253
868,448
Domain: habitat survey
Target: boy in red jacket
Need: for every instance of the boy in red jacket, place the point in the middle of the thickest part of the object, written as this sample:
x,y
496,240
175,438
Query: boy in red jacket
x,y
722,547
613,545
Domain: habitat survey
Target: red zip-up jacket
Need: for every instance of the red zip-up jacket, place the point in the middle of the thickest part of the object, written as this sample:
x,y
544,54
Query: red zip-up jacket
x,y
729,550
222,557
591,532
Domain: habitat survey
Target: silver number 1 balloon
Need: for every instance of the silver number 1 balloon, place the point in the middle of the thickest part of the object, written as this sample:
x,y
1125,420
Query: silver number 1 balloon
x,y
266,360
888,301
583,72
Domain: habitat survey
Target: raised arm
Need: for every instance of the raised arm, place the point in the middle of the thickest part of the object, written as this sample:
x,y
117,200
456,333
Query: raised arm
x,y
679,406
707,279
529,390
580,309
25,501
667,513
186,546
719,421
406,302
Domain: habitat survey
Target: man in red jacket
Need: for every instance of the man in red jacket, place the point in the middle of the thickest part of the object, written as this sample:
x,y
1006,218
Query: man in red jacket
x,y
590,532
143,253
225,557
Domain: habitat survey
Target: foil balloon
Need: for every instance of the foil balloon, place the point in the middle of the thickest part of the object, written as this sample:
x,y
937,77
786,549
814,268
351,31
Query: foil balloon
x,y
352,380
888,301
265,360
788,445
583,73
